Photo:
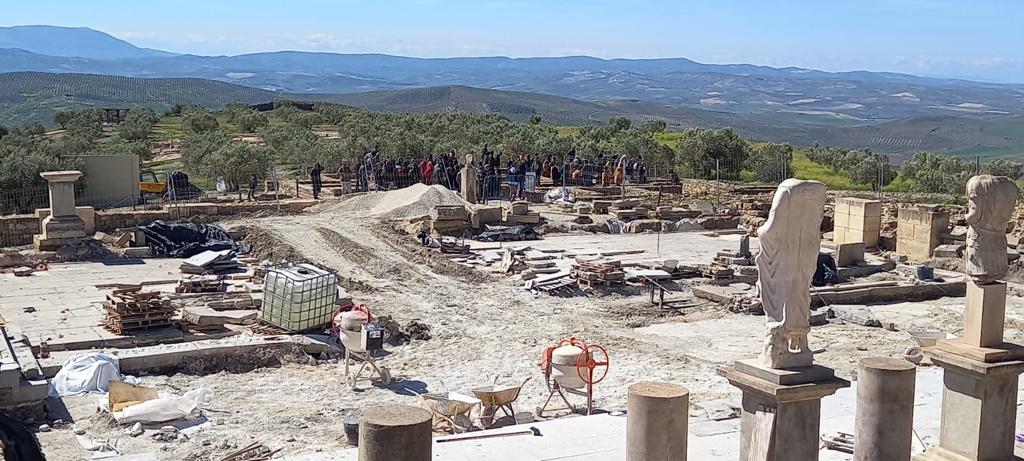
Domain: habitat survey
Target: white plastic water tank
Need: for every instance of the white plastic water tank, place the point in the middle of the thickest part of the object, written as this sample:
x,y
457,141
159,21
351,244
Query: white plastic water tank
x,y
563,366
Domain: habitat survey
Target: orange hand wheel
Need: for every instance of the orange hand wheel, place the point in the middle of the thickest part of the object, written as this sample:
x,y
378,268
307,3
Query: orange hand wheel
x,y
594,359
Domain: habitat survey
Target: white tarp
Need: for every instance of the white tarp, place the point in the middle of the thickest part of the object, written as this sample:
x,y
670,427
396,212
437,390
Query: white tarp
x,y
164,409
85,373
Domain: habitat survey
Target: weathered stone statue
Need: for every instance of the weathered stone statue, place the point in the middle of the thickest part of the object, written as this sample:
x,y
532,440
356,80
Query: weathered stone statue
x,y
991,202
790,241
468,180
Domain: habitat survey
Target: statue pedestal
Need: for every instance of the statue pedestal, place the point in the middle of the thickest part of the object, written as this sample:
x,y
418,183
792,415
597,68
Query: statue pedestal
x,y
63,225
979,405
793,396
985,314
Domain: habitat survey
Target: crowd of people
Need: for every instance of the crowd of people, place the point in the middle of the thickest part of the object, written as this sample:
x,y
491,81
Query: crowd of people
x,y
495,177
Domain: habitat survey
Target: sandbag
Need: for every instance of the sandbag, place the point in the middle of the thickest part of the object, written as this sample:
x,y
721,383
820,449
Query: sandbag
x,y
86,373
164,409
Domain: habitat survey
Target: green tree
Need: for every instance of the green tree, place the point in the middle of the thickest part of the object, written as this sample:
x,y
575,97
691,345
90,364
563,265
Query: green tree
x,y
250,121
85,126
237,161
534,119
62,117
654,126
198,148
138,125
199,121
770,162
620,123
703,152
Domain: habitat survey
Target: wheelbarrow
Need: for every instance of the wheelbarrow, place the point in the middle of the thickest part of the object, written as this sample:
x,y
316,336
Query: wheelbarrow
x,y
495,397
450,409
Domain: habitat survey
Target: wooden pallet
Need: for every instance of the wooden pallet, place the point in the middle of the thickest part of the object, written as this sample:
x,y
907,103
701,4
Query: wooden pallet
x,y
600,283
122,328
267,329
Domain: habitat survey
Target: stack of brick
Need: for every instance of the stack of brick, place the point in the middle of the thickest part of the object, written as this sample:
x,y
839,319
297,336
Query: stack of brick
x,y
857,220
200,284
449,219
519,213
627,209
597,273
132,310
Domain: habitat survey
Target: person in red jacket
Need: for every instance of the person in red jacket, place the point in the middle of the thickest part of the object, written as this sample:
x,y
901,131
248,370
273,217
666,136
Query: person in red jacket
x,y
426,170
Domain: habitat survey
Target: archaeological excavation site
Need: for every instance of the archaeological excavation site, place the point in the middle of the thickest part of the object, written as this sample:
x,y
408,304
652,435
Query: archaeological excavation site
x,y
658,320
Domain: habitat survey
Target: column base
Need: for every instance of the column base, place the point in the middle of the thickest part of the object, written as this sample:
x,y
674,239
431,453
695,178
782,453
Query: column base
x,y
796,407
979,407
42,243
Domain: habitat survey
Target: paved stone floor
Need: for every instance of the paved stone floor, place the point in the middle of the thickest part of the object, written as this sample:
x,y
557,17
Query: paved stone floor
x,y
603,437
63,307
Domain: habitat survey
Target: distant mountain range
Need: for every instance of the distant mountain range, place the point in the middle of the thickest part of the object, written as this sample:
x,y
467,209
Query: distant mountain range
x,y
855,109
79,42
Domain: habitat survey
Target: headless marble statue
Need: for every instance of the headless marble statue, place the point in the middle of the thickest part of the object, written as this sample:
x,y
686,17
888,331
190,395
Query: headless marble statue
x,y
991,203
790,241
468,180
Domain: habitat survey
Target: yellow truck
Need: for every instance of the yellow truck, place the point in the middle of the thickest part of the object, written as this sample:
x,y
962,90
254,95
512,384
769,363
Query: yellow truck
x,y
149,183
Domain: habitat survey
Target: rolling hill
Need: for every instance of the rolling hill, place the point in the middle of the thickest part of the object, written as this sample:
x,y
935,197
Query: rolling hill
x,y
808,96
33,96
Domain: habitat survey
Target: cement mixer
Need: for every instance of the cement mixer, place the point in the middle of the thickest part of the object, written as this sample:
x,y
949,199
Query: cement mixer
x,y
361,337
573,366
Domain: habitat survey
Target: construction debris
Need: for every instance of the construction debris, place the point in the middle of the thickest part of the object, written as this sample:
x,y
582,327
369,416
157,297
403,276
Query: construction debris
x,y
211,262
598,273
200,284
132,310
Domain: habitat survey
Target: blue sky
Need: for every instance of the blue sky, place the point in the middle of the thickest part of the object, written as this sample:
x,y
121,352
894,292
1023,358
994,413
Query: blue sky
x,y
977,39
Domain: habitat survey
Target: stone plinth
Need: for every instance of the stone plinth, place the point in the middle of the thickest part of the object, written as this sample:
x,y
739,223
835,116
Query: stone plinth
x,y
885,409
919,231
656,422
395,432
63,225
796,408
857,220
979,406
985,314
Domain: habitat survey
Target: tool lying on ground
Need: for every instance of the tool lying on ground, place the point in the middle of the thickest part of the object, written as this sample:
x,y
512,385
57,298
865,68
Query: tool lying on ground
x,y
532,430
842,442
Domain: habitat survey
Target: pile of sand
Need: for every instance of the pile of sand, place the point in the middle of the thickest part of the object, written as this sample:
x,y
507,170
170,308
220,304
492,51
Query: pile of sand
x,y
410,202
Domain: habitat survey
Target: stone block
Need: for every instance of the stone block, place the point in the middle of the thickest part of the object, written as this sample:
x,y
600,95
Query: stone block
x,y
849,254
949,250
985,314
488,214
520,208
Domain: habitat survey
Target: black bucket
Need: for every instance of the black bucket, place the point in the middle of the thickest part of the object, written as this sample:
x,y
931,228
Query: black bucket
x,y
925,272
352,429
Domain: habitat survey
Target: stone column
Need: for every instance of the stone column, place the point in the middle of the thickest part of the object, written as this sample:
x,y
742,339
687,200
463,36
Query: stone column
x,y
985,314
885,409
395,432
979,407
792,400
63,225
656,422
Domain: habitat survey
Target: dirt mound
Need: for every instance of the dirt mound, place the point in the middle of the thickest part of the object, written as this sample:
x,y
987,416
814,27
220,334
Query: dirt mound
x,y
409,202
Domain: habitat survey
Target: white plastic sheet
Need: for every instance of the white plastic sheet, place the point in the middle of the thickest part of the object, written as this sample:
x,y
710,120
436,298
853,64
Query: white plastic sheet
x,y
164,409
85,373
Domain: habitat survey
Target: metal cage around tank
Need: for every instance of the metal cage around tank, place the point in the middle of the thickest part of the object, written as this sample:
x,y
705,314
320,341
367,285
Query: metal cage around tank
x,y
299,297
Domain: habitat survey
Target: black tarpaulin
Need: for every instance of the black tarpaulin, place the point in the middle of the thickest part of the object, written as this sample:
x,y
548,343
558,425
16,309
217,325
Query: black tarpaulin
x,y
183,240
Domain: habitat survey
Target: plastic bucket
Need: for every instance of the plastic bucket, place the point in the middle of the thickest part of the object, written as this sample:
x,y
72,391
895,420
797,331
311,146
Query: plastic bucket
x,y
351,423
925,272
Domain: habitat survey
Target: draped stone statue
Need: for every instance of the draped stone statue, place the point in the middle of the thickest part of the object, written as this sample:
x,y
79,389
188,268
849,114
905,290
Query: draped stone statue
x,y
991,202
790,241
468,180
